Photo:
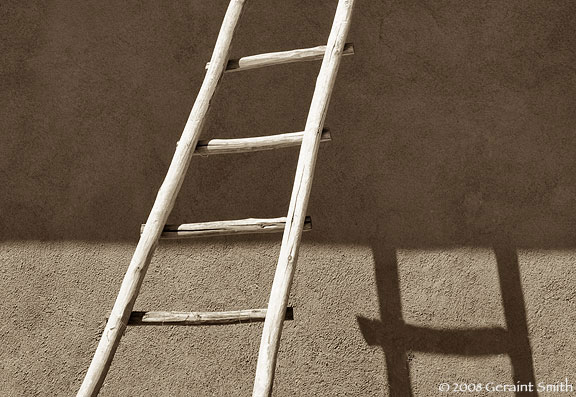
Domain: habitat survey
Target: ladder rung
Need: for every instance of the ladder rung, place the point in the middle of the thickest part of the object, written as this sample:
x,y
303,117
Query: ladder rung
x,y
223,228
278,58
241,145
202,318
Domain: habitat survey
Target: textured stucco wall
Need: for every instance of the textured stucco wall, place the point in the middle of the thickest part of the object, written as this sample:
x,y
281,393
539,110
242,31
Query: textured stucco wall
x,y
444,209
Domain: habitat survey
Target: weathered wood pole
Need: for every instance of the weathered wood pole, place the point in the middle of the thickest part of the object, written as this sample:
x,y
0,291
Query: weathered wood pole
x,y
253,144
202,318
162,207
282,57
227,228
302,184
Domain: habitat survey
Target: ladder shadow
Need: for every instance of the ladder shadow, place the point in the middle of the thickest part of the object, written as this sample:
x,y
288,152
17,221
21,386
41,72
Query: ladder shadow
x,y
397,338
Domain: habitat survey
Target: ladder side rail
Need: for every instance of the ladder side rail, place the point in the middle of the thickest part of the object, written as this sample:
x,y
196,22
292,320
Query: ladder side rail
x,y
162,207
283,277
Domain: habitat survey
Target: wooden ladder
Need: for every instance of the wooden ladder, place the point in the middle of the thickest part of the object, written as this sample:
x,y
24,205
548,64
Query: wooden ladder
x,y
293,225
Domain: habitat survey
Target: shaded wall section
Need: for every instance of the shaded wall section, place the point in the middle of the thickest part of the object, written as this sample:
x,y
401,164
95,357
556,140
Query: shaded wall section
x,y
453,122
453,151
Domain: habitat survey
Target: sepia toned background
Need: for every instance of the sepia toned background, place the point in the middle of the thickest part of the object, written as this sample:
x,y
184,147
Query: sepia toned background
x,y
444,209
